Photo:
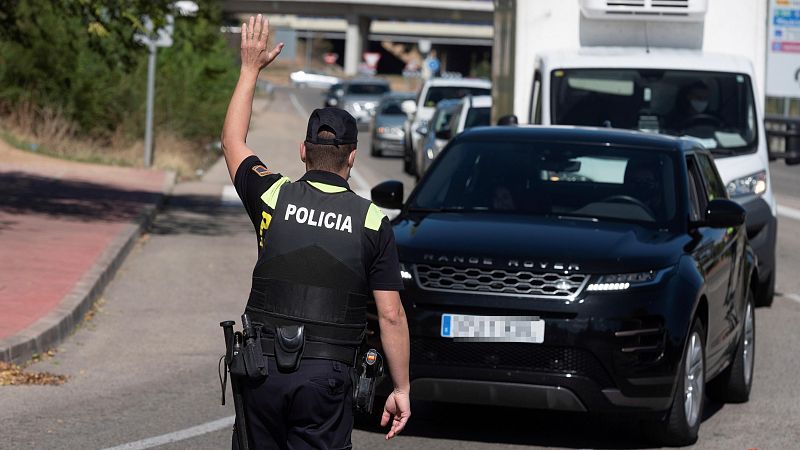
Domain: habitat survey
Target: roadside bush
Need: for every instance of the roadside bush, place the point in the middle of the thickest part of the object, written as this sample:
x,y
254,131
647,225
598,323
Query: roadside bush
x,y
77,60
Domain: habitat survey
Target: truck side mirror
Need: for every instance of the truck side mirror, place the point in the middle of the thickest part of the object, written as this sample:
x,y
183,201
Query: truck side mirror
x,y
388,194
509,119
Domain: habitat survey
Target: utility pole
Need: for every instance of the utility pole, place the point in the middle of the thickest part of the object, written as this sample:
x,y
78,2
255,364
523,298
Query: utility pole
x,y
151,93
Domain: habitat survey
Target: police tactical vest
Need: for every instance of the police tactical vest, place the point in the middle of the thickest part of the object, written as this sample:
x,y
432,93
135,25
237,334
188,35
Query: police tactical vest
x,y
310,269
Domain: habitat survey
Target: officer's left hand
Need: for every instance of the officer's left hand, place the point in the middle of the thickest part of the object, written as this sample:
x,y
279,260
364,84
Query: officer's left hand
x,y
399,406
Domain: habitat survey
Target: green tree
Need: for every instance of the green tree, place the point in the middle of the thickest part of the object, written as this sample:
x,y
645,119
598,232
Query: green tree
x,y
80,57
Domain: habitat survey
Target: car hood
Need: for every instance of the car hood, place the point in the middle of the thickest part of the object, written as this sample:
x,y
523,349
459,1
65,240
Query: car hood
x,y
494,240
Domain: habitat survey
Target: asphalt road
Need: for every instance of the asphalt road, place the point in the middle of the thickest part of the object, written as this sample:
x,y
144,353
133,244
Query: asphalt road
x,y
145,365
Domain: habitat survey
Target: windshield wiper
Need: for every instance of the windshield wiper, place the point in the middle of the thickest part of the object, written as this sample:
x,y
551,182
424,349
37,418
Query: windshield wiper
x,y
584,218
445,209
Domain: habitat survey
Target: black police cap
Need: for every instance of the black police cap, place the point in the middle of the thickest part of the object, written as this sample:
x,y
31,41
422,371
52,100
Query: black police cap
x,y
336,120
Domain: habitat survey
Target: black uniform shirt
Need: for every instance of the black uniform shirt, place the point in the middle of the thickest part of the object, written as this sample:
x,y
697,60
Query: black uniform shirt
x,y
379,251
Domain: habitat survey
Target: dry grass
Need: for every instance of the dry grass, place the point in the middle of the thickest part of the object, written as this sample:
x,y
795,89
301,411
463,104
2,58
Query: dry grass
x,y
48,132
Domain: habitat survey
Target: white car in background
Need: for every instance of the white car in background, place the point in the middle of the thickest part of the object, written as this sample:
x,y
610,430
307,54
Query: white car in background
x,y
450,119
302,78
421,111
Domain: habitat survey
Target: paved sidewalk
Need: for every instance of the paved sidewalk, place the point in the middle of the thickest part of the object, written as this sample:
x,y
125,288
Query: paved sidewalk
x,y
64,228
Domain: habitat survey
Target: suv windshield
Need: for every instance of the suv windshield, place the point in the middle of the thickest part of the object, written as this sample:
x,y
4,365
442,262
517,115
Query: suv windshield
x,y
557,180
715,108
367,89
438,93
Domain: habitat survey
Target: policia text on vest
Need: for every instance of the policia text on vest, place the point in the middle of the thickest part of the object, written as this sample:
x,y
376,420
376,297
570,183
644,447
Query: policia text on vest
x,y
330,220
324,255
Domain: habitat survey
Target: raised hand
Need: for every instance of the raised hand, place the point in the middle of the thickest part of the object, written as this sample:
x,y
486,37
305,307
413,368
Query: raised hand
x,y
255,35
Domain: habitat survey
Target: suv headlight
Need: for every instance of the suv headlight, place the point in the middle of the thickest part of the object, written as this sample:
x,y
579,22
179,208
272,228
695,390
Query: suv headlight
x,y
621,282
754,184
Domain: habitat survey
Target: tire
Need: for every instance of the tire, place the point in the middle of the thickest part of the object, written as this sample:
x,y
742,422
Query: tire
x,y
734,383
676,429
374,152
766,292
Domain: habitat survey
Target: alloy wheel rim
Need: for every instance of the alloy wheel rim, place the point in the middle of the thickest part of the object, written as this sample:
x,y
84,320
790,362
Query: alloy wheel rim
x,y
748,350
693,383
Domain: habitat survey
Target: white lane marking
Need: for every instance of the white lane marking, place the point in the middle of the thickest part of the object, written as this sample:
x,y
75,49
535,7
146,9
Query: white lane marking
x,y
297,106
229,196
794,297
789,212
187,433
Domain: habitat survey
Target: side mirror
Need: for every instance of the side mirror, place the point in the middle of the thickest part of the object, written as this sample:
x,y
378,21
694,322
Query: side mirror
x,y
722,213
506,120
409,107
388,194
444,134
422,130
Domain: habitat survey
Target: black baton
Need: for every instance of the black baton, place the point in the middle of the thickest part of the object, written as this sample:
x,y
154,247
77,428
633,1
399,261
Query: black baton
x,y
233,350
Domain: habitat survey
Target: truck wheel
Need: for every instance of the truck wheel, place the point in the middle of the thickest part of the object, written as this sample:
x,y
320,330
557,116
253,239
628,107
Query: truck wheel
x,y
734,383
682,422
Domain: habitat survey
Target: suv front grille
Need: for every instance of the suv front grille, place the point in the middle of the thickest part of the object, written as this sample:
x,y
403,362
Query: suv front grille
x,y
499,281
509,355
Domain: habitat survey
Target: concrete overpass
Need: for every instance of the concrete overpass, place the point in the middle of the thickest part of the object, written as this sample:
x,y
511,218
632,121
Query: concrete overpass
x,y
359,15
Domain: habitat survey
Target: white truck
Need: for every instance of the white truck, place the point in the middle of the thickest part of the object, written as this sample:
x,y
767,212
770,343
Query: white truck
x,y
650,65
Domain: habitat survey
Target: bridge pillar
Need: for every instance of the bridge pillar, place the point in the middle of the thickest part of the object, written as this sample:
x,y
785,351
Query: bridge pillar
x,y
355,38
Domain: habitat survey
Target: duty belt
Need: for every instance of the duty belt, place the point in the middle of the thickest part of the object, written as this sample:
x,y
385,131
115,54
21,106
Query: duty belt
x,y
316,350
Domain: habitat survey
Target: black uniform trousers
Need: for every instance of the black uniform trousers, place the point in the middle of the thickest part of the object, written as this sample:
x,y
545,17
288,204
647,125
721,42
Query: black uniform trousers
x,y
310,408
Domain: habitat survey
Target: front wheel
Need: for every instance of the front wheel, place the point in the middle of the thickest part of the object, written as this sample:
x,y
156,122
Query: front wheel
x,y
682,422
734,383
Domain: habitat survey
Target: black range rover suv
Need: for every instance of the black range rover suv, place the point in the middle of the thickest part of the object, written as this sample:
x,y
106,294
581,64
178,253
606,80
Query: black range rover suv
x,y
577,269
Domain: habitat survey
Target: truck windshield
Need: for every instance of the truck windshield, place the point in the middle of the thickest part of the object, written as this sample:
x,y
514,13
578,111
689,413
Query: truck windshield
x,y
715,108
557,180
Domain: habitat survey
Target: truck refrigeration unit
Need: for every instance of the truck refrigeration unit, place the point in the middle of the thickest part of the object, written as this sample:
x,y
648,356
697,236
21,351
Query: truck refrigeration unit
x,y
691,68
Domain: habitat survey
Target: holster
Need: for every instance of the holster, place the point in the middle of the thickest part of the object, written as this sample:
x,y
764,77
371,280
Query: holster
x,y
254,360
289,344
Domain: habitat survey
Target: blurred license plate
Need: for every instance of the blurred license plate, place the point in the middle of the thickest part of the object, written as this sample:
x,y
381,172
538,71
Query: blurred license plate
x,y
492,328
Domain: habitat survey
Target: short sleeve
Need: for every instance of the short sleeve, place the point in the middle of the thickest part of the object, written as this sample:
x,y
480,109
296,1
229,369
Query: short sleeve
x,y
252,179
384,271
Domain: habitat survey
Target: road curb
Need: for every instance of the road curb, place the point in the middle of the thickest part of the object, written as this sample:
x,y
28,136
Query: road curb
x,y
55,326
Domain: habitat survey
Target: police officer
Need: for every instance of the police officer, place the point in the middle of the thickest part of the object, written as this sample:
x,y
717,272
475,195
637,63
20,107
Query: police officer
x,y
322,251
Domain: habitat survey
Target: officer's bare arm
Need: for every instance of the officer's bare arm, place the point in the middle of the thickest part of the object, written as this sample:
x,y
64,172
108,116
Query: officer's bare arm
x,y
254,58
395,341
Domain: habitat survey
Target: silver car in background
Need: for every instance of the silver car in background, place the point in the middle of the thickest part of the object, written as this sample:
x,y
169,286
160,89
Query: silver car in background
x,y
450,119
437,134
387,125
361,96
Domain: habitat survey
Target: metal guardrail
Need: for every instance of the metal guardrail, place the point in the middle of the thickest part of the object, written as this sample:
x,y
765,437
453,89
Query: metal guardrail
x,y
783,138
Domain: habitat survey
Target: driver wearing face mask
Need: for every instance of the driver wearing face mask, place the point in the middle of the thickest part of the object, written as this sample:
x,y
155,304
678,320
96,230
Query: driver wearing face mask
x,y
692,109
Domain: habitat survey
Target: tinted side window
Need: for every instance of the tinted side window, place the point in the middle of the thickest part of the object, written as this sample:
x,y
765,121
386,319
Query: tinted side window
x,y
697,194
715,188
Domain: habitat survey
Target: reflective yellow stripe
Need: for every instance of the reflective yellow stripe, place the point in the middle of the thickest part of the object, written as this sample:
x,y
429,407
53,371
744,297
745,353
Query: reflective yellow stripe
x,y
327,188
271,196
374,217
266,218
